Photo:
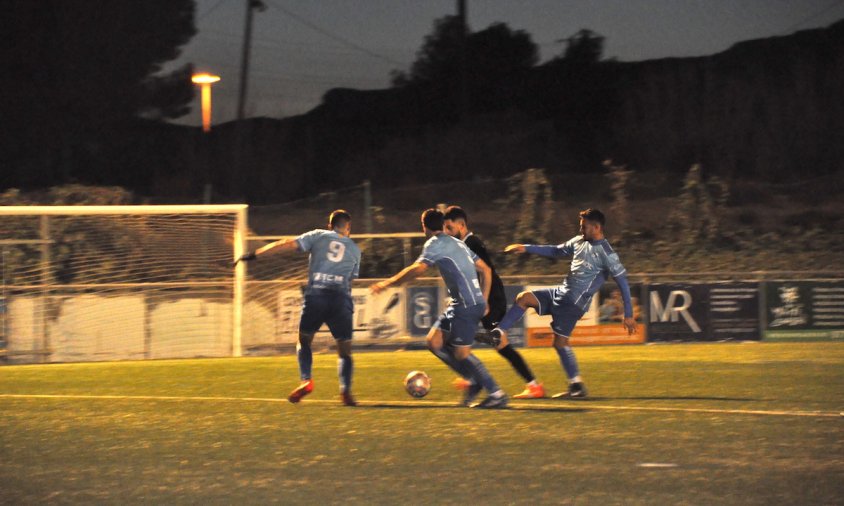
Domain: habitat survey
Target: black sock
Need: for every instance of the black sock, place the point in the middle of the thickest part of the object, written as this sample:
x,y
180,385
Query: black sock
x,y
518,363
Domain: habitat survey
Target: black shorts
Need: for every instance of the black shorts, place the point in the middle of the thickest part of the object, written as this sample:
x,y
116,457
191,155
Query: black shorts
x,y
496,313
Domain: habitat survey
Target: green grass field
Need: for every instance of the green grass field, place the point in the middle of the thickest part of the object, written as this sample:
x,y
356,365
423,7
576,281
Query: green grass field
x,y
666,424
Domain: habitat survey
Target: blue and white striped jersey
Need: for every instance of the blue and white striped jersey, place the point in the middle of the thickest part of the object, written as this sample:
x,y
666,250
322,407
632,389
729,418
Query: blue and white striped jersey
x,y
334,260
592,263
456,263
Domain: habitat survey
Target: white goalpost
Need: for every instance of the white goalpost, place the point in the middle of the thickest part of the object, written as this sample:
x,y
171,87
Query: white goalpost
x,y
83,283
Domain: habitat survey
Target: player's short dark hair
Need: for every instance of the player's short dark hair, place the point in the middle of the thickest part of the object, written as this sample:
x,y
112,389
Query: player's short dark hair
x,y
456,213
432,219
593,215
338,218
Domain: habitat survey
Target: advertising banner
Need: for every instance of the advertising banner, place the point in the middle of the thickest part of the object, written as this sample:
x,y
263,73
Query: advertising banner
x,y
516,335
2,323
289,312
678,312
376,317
703,312
601,324
804,310
379,317
734,311
423,309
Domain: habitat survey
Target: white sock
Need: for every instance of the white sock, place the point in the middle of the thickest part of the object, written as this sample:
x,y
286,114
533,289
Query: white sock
x,y
576,379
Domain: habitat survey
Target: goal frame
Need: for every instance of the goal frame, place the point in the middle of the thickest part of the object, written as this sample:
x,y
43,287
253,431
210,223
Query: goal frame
x,y
239,211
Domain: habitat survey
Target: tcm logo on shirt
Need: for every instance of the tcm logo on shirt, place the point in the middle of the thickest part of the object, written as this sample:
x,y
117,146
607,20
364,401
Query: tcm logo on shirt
x,y
321,277
676,306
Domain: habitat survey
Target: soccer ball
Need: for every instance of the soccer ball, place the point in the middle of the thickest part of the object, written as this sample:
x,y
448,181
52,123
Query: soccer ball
x,y
417,384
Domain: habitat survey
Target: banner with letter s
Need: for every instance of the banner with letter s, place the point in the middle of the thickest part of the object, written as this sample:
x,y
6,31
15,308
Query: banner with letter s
x,y
423,309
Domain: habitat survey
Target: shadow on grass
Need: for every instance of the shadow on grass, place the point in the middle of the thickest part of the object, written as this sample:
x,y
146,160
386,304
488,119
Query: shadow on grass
x,y
667,398
512,407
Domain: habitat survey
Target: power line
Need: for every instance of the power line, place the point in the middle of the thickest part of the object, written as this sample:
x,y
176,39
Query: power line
x,y
333,36
205,14
212,35
306,78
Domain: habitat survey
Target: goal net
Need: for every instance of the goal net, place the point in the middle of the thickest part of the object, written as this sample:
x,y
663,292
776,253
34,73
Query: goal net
x,y
87,283
82,283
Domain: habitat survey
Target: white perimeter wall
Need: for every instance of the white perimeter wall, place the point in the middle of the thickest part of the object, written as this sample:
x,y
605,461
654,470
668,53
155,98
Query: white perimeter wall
x,y
92,327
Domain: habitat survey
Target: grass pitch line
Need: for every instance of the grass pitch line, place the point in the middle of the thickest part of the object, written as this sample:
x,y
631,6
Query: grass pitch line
x,y
526,406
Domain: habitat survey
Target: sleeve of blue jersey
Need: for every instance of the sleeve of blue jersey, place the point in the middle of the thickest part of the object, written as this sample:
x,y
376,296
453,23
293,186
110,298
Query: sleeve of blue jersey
x,y
306,240
548,250
624,286
425,259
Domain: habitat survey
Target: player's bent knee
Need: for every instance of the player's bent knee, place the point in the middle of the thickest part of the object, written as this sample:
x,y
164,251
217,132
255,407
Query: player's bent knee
x,y
305,339
434,340
560,341
462,352
526,299
504,341
344,348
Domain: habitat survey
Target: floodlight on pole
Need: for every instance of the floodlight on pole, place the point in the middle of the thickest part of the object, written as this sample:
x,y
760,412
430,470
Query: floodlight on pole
x,y
205,80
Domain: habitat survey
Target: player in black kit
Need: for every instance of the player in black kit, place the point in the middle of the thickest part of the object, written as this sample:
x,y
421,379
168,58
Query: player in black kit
x,y
456,224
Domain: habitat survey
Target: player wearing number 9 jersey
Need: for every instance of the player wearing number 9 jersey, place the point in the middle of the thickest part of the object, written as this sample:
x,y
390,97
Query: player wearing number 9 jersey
x,y
333,263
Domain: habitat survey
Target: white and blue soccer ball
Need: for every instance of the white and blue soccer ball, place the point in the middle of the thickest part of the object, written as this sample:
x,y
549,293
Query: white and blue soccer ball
x,y
417,384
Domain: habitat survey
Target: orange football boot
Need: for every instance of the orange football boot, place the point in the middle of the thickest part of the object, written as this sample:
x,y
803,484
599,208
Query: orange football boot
x,y
460,383
304,388
531,392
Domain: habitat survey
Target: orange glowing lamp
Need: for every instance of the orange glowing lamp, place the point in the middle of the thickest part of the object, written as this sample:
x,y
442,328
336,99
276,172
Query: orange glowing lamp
x,y
205,80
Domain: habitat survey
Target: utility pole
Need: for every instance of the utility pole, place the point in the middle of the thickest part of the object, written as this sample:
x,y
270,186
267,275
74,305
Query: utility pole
x,y
367,206
464,33
244,58
241,95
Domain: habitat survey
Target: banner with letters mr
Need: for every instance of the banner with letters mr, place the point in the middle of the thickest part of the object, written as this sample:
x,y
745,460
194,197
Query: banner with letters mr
x,y
703,312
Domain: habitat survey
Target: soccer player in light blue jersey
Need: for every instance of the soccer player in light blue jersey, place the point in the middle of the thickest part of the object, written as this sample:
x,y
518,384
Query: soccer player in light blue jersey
x,y
452,336
593,261
333,263
456,224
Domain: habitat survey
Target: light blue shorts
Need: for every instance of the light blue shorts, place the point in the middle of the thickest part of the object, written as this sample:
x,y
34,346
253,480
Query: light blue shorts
x,y
564,314
332,308
460,323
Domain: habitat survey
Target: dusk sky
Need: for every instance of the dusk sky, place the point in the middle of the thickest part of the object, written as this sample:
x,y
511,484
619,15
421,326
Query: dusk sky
x,y
302,48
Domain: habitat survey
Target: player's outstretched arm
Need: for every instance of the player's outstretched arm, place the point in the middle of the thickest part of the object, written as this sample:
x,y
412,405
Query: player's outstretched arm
x,y
545,250
249,255
515,248
408,273
281,245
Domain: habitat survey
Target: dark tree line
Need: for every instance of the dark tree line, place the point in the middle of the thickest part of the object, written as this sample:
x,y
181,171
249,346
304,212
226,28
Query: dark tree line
x,y
84,101
75,73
